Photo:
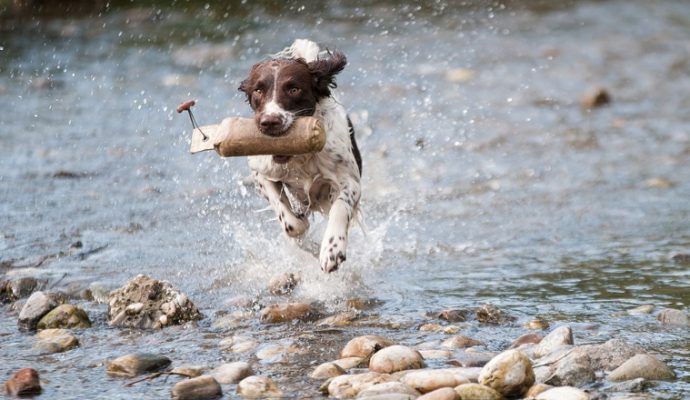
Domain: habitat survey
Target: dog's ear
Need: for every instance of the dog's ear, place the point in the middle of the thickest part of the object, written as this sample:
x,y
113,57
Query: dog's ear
x,y
324,72
246,85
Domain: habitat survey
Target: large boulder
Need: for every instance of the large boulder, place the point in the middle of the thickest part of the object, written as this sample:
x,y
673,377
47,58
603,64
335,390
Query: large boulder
x,y
147,303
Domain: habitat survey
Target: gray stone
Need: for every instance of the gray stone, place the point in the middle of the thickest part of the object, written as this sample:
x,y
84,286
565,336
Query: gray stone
x,y
38,305
642,366
65,316
509,373
557,338
670,316
199,388
132,365
575,369
161,305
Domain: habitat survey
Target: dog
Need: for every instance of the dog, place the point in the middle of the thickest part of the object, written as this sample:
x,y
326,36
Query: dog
x,y
298,82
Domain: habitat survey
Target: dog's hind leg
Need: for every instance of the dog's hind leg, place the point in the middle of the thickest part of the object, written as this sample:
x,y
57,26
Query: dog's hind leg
x,y
293,226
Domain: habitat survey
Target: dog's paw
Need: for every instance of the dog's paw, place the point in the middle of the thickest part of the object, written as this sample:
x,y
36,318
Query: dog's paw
x,y
333,253
294,226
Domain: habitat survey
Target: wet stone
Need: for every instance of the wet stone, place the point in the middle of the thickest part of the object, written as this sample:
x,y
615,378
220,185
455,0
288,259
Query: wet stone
x,y
440,394
396,358
24,382
132,365
161,305
388,388
475,391
537,323
277,353
536,389
231,373
559,337
490,314
472,358
190,371
681,258
527,338
435,354
365,346
460,341
65,316
575,369
283,284
429,380
670,316
509,373
38,305
258,387
327,370
563,393
347,363
277,313
453,315
341,319
23,287
642,366
348,386
55,341
199,388
641,310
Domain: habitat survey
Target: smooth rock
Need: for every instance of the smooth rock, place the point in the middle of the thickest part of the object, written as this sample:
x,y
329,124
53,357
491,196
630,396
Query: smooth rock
x,y
428,380
563,393
38,305
527,338
450,329
561,336
190,371
65,316
536,389
231,373
55,341
435,354
277,353
327,370
470,358
642,366
350,362
490,314
258,387
641,310
475,391
537,323
199,388
158,298
348,386
132,365
341,319
460,341
509,373
631,386
392,387
575,369
441,394
388,396
24,382
283,284
277,313
364,346
609,355
395,358
670,316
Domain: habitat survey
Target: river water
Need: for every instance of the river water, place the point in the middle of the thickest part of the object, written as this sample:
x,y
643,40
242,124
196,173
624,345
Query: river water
x,y
484,179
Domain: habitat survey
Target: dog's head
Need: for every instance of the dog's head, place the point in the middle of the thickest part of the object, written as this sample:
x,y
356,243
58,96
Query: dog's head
x,y
278,90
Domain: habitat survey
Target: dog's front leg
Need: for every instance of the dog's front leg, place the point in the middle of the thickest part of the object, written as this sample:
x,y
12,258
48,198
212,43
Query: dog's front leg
x,y
293,225
334,244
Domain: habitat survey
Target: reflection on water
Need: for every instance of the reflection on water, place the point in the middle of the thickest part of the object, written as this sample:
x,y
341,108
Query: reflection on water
x,y
484,180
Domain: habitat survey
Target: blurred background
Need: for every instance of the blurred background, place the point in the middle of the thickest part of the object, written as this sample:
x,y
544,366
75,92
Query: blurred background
x,y
530,154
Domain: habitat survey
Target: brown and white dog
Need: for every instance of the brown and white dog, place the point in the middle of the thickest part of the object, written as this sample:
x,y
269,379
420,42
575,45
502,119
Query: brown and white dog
x,y
298,82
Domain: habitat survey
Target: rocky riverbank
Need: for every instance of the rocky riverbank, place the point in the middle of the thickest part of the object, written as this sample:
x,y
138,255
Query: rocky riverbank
x,y
436,359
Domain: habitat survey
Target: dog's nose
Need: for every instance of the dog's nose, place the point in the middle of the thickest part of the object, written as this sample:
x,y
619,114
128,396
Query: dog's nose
x,y
270,123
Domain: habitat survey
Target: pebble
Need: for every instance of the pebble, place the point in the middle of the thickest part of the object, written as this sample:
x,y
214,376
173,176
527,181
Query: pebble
x,y
360,304
440,394
509,373
490,314
475,391
199,388
469,358
132,365
365,346
327,370
242,346
595,97
670,316
643,309
435,354
563,393
258,387
24,382
38,305
458,75
277,313
561,336
395,358
283,284
537,323
55,340
342,319
190,371
527,338
536,389
231,373
347,386
428,380
642,366
388,388
65,316
460,341
349,362
450,329
158,299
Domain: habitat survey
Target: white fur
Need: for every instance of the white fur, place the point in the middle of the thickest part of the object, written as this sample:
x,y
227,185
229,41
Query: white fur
x,y
327,182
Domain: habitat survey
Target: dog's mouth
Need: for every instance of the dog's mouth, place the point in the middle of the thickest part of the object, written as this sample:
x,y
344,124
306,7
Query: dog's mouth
x,y
281,159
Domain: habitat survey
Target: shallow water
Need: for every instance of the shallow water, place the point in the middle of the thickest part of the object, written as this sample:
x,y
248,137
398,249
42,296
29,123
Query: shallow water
x,y
490,186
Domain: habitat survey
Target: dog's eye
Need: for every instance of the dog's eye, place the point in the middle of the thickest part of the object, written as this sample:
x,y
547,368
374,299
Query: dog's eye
x,y
259,91
295,91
